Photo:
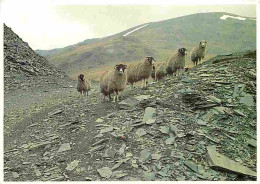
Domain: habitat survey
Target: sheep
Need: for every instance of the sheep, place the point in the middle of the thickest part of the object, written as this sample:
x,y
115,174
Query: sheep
x,y
176,62
113,82
84,85
140,71
160,71
198,52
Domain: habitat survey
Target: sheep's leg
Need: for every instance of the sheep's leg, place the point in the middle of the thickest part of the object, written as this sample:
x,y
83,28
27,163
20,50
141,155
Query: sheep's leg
x,y
181,73
109,96
118,95
144,83
87,93
114,97
132,86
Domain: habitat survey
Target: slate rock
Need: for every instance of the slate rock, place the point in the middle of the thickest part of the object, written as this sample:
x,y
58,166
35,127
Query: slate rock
x,y
148,114
128,103
15,175
105,172
252,142
148,176
145,154
72,165
64,147
219,161
248,100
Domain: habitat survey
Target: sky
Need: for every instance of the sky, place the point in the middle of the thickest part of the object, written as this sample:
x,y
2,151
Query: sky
x,y
51,24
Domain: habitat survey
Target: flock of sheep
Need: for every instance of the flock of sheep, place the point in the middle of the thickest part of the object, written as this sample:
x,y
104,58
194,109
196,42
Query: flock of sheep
x,y
115,81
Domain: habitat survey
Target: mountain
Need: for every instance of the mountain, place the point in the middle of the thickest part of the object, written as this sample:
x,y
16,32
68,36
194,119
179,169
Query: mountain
x,y
21,63
160,40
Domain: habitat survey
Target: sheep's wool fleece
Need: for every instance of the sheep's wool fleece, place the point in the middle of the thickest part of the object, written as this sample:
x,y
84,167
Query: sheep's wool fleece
x,y
198,52
139,71
176,62
111,82
161,71
83,85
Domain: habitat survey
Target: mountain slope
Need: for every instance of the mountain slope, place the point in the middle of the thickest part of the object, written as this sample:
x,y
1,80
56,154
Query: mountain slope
x,y
22,64
160,39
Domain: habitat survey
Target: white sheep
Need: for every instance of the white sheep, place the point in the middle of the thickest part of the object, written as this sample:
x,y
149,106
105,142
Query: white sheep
x,y
198,53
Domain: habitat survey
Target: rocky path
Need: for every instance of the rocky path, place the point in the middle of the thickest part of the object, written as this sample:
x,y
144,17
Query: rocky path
x,y
173,130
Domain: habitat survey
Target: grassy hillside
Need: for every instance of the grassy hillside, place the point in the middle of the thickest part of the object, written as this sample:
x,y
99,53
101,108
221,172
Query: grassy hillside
x,y
158,39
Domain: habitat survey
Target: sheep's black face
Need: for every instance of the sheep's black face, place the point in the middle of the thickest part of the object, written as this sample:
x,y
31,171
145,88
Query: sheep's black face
x,y
150,60
120,68
182,51
81,77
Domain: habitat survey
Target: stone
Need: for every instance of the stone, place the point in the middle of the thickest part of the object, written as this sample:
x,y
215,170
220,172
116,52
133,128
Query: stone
x,y
88,179
110,152
37,172
200,122
142,97
170,140
148,176
108,129
56,112
15,175
219,110
164,129
145,154
128,103
148,114
72,165
248,100
156,156
192,166
99,120
122,149
252,142
105,172
64,147
140,132
219,161
214,99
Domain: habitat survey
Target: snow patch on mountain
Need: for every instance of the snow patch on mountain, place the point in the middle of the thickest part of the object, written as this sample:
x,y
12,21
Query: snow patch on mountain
x,y
135,30
224,17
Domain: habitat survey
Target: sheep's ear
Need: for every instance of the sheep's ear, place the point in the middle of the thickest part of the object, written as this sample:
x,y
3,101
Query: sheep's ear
x,y
125,66
116,66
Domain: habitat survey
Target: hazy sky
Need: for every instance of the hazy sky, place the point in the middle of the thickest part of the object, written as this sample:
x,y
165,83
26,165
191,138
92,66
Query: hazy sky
x,y
54,25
